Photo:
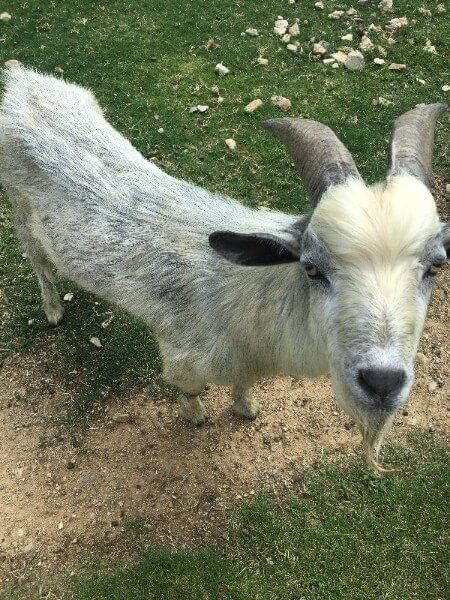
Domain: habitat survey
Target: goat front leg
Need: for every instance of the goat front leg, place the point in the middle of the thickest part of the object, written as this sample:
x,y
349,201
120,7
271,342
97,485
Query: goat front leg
x,y
192,408
243,403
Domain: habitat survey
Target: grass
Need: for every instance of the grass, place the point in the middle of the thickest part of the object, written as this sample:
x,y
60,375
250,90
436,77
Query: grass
x,y
345,534
353,536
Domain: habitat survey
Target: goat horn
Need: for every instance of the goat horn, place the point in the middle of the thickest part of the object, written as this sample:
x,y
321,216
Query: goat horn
x,y
411,148
320,157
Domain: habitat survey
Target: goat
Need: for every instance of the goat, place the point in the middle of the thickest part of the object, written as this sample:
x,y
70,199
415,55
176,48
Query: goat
x,y
234,294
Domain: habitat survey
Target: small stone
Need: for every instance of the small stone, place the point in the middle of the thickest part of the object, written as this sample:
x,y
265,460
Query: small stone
x,y
60,525
253,105
385,5
429,47
231,143
221,69
382,101
351,12
336,14
432,386
446,88
335,65
405,413
440,8
339,57
349,425
70,464
202,108
5,17
215,90
319,6
68,297
12,63
379,61
121,418
318,48
59,70
280,27
267,441
95,342
252,32
281,102
286,38
294,29
397,25
348,37
366,44
328,61
160,129
397,67
28,547
292,48
421,358
30,322
262,62
354,61
424,11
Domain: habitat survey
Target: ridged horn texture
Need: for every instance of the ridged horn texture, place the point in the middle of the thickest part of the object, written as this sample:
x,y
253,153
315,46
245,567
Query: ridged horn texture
x,y
412,140
320,157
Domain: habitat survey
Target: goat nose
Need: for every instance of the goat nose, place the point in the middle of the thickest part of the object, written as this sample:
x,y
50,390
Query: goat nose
x,y
382,383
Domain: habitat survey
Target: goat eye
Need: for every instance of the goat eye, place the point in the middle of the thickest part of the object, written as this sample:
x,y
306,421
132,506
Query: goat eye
x,y
312,271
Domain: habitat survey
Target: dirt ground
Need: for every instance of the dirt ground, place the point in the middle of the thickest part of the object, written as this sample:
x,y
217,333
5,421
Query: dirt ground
x,y
57,502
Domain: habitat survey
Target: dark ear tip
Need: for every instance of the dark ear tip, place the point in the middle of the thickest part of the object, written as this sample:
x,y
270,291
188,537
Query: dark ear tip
x,y
273,125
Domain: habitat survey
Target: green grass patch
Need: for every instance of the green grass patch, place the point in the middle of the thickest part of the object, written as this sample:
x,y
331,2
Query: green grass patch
x,y
346,534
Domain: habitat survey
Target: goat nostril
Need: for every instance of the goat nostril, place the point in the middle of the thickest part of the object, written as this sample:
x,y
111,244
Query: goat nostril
x,y
381,382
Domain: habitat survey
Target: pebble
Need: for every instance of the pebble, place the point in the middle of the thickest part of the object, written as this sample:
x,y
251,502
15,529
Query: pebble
x,y
5,17
440,8
286,38
292,48
429,47
12,63
95,342
221,69
379,61
397,67
121,418
253,105
70,464
328,61
446,88
382,101
30,322
294,29
340,57
215,90
397,25
59,70
319,6
319,48
60,525
252,32
263,62
202,108
68,297
348,37
366,44
385,5
432,386
281,102
424,11
160,129
335,15
351,12
354,61
230,143
280,27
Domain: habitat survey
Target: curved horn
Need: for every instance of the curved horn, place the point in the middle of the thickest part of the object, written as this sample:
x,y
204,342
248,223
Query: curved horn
x,y
412,142
321,159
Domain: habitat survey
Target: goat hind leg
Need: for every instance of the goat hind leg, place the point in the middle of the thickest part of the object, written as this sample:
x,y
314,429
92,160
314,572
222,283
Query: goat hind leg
x,y
243,403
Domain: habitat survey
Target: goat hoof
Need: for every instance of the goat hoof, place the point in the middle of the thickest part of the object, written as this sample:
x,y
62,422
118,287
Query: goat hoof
x,y
194,414
248,410
54,314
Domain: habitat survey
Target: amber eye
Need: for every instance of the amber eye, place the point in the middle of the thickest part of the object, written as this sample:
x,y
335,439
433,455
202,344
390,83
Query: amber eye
x,y
311,271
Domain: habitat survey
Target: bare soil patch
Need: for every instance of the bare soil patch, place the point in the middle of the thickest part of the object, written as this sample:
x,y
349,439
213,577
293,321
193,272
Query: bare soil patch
x,y
178,482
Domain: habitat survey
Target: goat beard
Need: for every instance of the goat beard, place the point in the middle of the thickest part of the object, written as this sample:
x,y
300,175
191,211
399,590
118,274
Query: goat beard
x,y
374,429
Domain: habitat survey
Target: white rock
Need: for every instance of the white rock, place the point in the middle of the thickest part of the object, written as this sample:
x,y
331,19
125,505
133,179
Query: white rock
x,y
221,69
68,297
12,63
253,105
383,101
397,25
231,143
202,108
340,57
335,65
318,48
354,61
292,48
286,38
397,67
446,88
192,110
60,525
252,32
328,61
161,130
421,81
348,37
366,44
385,5
215,90
424,11
280,27
59,70
30,322
351,12
440,8
281,102
294,29
432,386
5,17
336,14
263,62
95,342
429,47
319,6
379,61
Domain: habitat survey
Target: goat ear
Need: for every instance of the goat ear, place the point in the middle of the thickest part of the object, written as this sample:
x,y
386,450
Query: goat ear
x,y
255,249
